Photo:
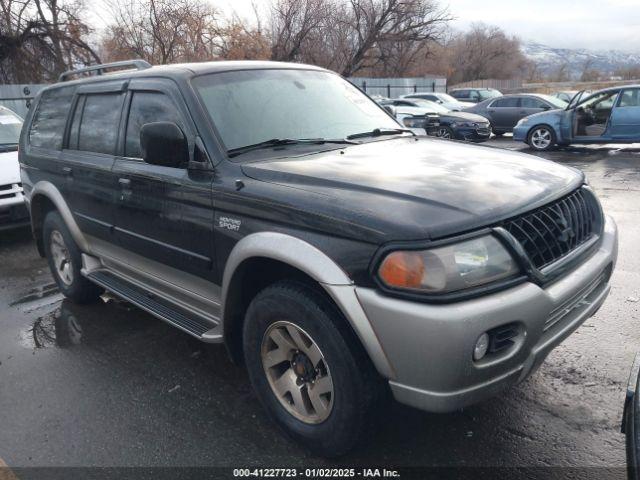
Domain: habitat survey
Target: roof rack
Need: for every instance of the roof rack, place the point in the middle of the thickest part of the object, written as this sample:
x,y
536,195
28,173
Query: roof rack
x,y
100,69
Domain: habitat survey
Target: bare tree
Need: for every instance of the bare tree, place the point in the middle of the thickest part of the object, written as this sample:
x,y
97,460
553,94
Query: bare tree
x,y
353,36
41,38
486,52
292,23
162,31
628,72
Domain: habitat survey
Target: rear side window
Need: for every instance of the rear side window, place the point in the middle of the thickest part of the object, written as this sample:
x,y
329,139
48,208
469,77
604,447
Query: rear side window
x,y
630,98
47,127
461,94
148,107
510,102
95,123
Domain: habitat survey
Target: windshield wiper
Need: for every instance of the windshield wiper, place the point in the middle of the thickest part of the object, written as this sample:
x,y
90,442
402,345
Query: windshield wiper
x,y
377,132
276,142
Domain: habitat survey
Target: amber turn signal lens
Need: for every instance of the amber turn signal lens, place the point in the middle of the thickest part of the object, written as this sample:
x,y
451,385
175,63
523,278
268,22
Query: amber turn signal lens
x,y
402,269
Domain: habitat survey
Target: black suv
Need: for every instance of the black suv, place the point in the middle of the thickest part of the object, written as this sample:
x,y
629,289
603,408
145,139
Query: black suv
x,y
278,210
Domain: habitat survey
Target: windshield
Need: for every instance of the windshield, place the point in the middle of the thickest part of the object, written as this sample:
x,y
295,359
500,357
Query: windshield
x,y
484,94
10,125
253,106
432,106
555,101
445,97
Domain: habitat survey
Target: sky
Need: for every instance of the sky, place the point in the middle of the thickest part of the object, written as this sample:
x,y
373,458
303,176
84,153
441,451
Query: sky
x,y
592,24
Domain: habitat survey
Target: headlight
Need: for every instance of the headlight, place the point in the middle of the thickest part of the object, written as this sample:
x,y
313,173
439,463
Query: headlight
x,y
414,122
450,268
522,121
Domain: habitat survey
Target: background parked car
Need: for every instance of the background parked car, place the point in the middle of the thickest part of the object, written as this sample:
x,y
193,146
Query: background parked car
x,y
419,119
444,99
13,212
474,95
453,125
630,419
505,112
611,115
566,95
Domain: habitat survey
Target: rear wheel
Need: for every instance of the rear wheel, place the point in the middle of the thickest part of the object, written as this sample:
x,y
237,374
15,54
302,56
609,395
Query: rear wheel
x,y
65,261
541,138
307,369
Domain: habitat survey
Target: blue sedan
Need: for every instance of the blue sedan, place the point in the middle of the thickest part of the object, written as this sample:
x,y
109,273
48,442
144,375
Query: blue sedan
x,y
608,116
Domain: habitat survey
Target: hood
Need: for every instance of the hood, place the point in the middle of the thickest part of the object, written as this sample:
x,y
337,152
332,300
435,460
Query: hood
x,y
9,168
464,116
549,114
416,188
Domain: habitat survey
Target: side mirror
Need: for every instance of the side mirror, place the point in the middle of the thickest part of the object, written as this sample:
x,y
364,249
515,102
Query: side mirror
x,y
390,109
163,143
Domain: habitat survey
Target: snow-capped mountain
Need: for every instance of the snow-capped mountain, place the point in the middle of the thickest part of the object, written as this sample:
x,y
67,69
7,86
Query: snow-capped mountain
x,y
550,59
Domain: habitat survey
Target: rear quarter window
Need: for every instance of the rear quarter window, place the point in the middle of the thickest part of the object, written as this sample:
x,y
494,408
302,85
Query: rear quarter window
x,y
47,127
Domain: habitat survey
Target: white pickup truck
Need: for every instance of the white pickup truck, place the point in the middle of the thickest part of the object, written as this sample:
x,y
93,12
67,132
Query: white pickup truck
x,y
13,212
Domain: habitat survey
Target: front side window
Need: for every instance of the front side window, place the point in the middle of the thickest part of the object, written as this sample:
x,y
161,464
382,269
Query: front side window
x,y
47,127
599,101
630,98
252,106
10,125
148,107
97,128
529,102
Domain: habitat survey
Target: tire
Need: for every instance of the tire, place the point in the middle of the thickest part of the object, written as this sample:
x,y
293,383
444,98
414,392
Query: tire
x,y
65,261
541,138
499,133
356,390
446,133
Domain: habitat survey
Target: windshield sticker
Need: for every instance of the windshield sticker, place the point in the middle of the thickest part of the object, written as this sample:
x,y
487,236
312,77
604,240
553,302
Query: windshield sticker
x,y
9,120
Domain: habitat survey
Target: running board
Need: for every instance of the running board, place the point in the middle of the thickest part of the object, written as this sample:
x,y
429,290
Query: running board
x,y
149,302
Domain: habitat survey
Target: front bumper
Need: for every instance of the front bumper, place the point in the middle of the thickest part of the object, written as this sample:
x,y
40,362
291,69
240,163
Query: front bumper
x,y
13,211
520,133
473,134
429,347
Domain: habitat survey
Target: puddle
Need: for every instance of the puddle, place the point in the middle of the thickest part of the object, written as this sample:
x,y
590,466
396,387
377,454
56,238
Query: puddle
x,y
59,328
42,292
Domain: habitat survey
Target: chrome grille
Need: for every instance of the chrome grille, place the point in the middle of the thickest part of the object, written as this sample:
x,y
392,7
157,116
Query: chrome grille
x,y
551,232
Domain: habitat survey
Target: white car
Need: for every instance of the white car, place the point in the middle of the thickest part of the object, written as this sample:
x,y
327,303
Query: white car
x,y
443,99
13,212
419,119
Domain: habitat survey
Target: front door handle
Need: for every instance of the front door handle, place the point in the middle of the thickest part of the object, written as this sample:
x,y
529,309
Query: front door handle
x,y
124,182
68,171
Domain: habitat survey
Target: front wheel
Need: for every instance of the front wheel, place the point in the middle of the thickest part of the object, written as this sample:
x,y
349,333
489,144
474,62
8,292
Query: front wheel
x,y
307,369
445,132
542,138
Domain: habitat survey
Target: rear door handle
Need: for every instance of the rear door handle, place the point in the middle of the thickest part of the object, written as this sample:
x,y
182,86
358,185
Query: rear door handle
x,y
68,171
124,182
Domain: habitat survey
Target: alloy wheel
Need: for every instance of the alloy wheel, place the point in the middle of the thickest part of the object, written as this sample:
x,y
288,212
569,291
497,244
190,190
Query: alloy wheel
x,y
444,133
541,138
297,372
61,258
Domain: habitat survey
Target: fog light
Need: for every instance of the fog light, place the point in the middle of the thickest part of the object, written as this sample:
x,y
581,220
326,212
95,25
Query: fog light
x,y
482,345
